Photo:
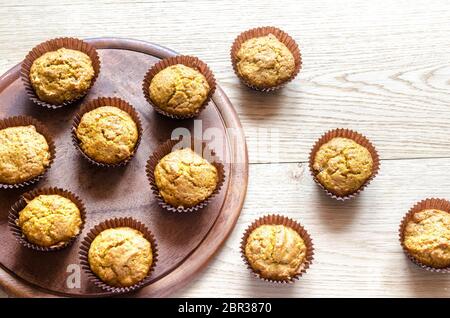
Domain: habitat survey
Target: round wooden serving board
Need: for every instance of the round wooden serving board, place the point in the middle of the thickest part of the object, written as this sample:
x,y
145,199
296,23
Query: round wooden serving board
x,y
185,241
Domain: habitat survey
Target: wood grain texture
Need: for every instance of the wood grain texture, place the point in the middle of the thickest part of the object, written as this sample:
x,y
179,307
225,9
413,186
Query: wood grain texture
x,y
357,252
381,68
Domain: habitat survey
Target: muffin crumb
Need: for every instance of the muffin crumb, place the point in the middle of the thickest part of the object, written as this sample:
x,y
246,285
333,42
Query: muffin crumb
x,y
342,165
107,134
427,237
121,256
62,75
265,62
50,220
24,154
179,90
184,178
275,251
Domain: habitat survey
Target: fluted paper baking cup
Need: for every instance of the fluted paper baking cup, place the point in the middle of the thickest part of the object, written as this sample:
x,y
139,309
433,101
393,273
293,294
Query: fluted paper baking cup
x,y
100,102
109,224
431,203
275,219
189,61
40,128
282,36
18,206
166,148
53,45
358,138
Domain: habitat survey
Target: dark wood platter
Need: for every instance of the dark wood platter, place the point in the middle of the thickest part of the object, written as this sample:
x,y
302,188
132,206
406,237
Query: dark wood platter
x,y
185,241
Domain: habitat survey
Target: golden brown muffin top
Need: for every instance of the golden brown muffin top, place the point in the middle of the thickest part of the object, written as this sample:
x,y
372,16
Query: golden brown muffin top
x,y
179,90
24,154
265,61
342,165
120,256
107,134
50,220
62,75
184,178
275,251
427,237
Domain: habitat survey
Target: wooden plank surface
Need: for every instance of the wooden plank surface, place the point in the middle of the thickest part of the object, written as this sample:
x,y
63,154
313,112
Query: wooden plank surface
x,y
382,68
357,250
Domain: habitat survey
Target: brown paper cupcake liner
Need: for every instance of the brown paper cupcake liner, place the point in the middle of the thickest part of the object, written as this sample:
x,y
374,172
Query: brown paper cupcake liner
x,y
114,223
275,219
106,101
189,61
282,36
165,149
432,203
53,45
21,204
358,138
40,128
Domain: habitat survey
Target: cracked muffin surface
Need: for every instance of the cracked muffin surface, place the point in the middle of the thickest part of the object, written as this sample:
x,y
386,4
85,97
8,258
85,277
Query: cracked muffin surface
x,y
275,251
24,154
184,178
427,237
265,61
120,256
107,134
179,90
342,165
62,75
50,220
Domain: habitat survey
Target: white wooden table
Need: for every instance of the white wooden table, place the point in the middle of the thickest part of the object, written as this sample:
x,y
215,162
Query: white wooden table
x,y
381,68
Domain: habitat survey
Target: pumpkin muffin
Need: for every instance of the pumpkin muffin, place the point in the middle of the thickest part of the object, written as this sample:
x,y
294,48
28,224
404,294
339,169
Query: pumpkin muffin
x,y
107,134
179,90
61,76
24,154
120,257
184,178
427,237
342,165
50,220
275,251
265,62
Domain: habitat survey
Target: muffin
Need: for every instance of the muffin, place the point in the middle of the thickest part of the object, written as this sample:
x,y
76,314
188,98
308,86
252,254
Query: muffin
x,y
426,237
184,178
50,220
61,76
24,154
342,165
179,90
264,62
107,134
275,252
121,256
